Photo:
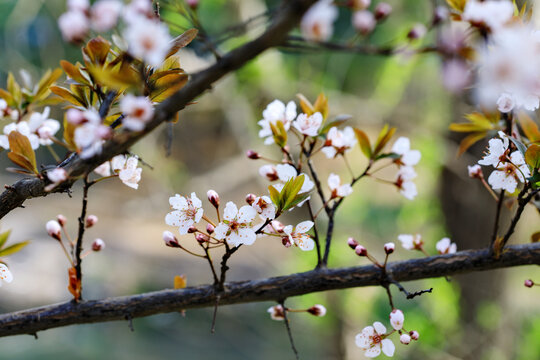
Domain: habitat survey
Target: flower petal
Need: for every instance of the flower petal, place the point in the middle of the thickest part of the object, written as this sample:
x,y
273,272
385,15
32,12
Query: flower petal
x,y
304,226
230,212
379,328
388,347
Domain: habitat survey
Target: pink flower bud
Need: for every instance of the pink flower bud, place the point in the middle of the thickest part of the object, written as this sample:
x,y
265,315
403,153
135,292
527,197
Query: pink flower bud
x,y
277,312
91,220
193,3
253,155
53,229
213,197
210,229
202,238
418,31
98,245
440,14
475,171
396,319
250,198
389,247
61,219
405,339
529,283
360,250
286,241
352,243
192,229
364,21
317,310
382,11
170,239
414,335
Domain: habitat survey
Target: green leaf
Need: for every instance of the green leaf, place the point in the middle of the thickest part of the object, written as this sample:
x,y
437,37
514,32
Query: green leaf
x,y
298,199
384,136
532,156
13,248
3,237
290,190
522,149
363,140
279,132
337,121
274,196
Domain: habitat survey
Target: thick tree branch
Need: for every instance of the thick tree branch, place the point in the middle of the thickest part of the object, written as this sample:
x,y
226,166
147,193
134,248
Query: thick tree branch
x,y
272,289
286,18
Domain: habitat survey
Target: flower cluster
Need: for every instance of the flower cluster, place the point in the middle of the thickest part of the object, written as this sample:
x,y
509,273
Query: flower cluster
x,y
38,128
125,167
406,161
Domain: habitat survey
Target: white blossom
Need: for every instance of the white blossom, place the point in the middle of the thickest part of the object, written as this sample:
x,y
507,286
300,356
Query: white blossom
x,y
148,40
396,319
274,112
264,207
408,157
404,182
89,136
298,236
236,226
74,26
138,110
78,5
276,312
43,127
188,211
104,169
372,341
137,9
475,171
127,170
446,246
496,151
509,174
364,21
57,175
318,22
269,172
339,142
493,14
104,14
5,274
506,103
286,172
411,242
337,189
308,125
23,128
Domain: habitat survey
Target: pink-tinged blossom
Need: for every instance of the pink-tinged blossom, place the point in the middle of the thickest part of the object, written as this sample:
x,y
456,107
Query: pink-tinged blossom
x,y
98,245
405,339
336,188
148,40
90,135
74,26
213,198
91,220
364,21
382,11
104,169
491,14
510,173
506,103
236,226
57,175
389,247
396,319
104,14
298,236
274,112
408,157
411,242
276,312
446,246
414,335
138,110
137,9
23,129
475,171
318,22
264,207
5,274
188,212
456,75
497,149
78,5
339,142
43,127
418,31
308,125
127,170
372,341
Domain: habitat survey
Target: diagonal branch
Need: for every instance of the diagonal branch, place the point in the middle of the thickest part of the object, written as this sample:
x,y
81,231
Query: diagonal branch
x,y
272,289
285,19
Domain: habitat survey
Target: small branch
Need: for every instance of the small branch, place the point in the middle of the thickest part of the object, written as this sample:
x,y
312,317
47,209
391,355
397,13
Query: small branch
x,y
522,203
409,295
80,236
107,103
288,327
316,233
497,218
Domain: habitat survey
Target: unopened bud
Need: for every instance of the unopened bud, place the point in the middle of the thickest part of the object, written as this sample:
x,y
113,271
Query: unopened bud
x,y
75,117
61,219
98,245
317,310
210,229
91,220
193,3
418,31
253,155
213,197
440,14
352,243
529,283
170,239
389,247
405,339
192,229
475,171
250,198
360,250
364,22
382,11
202,238
54,229
286,241
414,335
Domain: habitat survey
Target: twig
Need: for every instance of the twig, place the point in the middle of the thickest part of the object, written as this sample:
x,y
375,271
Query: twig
x,y
497,218
288,327
409,295
522,203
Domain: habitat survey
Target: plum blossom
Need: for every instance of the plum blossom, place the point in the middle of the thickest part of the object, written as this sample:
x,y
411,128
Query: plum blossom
x,y
396,319
138,110
475,171
264,207
137,9
90,134
497,149
372,341
188,211
104,169
336,188
236,226
5,274
285,172
339,142
43,127
276,312
506,103
405,339
57,175
274,112
510,173
408,157
492,14
298,236
404,182
411,242
74,26
98,245
308,125
269,172
318,22
364,21
78,5
23,128
104,14
148,40
127,170
446,246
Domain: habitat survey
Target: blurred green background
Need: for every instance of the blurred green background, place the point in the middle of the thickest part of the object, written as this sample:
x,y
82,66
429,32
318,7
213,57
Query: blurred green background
x,y
479,316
